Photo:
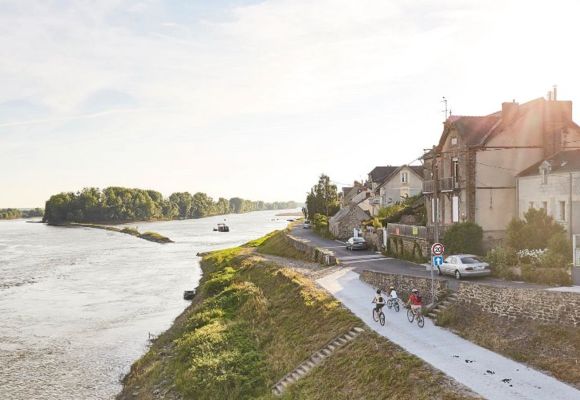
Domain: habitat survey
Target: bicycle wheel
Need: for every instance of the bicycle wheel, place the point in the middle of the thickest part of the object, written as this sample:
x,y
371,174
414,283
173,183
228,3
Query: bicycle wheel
x,y
410,315
389,304
396,305
420,321
382,318
375,315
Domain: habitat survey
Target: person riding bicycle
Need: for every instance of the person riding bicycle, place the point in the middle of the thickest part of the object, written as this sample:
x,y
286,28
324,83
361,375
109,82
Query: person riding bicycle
x,y
379,301
415,301
393,293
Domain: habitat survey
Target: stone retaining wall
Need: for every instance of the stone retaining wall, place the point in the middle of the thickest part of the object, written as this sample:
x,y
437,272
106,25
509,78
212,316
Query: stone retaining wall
x,y
315,254
535,304
403,284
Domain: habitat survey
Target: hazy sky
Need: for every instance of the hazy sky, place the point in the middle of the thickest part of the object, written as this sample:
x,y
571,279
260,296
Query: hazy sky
x,y
256,98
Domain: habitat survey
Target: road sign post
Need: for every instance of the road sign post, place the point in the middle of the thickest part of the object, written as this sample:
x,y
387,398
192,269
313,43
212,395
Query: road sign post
x,y
437,251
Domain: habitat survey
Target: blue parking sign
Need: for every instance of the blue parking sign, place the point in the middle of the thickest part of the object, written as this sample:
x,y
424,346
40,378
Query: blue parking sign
x,y
437,261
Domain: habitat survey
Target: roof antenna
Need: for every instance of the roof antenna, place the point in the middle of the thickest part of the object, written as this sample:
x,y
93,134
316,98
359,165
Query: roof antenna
x,y
444,101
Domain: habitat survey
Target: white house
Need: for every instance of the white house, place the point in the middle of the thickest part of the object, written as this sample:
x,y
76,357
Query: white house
x,y
400,183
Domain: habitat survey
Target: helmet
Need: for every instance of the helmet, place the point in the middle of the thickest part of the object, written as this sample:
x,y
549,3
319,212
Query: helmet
x,y
414,290
378,291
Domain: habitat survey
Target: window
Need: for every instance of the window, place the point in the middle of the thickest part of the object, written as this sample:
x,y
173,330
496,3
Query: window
x,y
470,260
404,177
454,141
531,205
544,172
455,206
545,206
562,211
455,170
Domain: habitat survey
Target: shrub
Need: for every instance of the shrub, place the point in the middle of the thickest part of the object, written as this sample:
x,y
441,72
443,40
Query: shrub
x,y
320,225
534,232
546,276
465,237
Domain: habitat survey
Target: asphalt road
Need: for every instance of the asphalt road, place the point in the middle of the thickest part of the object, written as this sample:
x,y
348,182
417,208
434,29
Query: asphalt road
x,y
374,261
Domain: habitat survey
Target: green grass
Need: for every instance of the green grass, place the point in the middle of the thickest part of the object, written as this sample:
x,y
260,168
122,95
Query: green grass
x,y
548,347
252,322
155,237
277,244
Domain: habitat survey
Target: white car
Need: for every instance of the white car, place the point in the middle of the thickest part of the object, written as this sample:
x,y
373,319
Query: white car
x,y
464,265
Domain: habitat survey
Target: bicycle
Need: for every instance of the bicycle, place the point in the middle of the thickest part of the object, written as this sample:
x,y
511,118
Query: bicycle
x,y
393,303
412,315
379,316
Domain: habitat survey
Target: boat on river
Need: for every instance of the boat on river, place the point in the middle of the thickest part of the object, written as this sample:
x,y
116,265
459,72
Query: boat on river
x,y
222,228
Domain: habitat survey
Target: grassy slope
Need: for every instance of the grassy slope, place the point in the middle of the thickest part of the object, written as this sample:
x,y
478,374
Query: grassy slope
x,y
552,348
276,244
253,322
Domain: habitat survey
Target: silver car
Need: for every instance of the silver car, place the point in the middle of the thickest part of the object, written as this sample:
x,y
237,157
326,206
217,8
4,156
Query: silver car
x,y
464,265
356,243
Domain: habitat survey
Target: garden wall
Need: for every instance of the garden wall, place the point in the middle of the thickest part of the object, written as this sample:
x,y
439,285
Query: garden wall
x,y
315,254
403,284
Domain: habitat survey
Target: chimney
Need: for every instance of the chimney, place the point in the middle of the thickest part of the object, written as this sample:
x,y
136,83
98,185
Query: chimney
x,y
549,95
555,93
509,112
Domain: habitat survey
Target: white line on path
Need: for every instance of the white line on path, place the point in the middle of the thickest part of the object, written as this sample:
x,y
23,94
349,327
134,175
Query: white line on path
x,y
365,260
485,372
365,257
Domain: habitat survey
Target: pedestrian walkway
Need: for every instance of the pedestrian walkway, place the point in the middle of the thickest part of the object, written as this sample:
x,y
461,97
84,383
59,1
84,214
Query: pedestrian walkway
x,y
485,372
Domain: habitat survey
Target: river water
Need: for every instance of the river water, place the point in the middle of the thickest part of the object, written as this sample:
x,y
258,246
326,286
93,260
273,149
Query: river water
x,y
77,304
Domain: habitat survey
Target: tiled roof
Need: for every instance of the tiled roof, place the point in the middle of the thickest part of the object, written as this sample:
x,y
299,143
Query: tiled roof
x,y
565,161
473,130
379,174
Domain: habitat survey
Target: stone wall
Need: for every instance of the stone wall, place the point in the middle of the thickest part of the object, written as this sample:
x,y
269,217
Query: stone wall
x,y
315,254
535,304
403,284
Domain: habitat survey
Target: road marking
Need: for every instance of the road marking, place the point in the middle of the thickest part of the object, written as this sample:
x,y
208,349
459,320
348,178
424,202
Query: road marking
x,y
367,260
361,257
339,241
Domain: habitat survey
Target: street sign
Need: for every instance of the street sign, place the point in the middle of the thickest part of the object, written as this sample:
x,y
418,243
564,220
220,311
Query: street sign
x,y
437,249
437,261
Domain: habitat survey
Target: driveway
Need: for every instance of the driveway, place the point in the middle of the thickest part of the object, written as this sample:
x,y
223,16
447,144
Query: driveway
x,y
485,372
373,261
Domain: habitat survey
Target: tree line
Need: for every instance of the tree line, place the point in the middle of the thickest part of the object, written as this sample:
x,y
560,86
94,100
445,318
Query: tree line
x,y
14,213
119,204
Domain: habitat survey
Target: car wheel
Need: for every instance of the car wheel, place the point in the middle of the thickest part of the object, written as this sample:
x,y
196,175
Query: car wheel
x,y
457,275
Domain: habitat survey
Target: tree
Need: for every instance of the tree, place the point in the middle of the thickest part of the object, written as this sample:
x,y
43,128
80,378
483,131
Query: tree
x,y
184,203
323,198
533,232
464,237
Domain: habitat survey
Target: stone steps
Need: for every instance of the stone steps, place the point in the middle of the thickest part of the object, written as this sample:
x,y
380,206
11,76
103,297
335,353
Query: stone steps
x,y
449,300
315,359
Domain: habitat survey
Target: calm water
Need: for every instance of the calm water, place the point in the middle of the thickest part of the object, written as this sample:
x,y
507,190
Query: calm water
x,y
77,304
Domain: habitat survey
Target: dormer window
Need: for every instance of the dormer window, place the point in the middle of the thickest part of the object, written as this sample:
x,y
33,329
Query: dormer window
x,y
544,171
404,177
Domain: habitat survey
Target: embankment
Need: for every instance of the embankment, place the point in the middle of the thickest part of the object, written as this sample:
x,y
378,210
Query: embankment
x,y
252,322
150,236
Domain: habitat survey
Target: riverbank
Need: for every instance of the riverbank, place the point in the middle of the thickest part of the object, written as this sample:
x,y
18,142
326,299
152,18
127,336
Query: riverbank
x,y
150,236
252,322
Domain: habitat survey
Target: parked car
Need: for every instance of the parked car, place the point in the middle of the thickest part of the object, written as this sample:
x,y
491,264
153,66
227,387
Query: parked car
x,y
464,265
356,243
307,225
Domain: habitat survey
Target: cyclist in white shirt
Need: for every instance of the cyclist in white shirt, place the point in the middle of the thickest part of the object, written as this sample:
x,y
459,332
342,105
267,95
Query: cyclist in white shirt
x,y
393,293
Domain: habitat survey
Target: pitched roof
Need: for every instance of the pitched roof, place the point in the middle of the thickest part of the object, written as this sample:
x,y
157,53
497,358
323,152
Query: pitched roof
x,y
346,189
565,161
473,129
379,174
418,169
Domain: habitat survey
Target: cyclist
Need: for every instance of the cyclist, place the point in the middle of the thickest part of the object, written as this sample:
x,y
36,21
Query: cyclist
x,y
393,293
379,301
415,301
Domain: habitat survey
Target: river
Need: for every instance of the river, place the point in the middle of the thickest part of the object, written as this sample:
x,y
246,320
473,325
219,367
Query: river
x,y
77,305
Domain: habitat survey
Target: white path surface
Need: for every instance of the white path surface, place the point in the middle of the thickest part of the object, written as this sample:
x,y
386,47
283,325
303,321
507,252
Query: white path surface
x,y
485,372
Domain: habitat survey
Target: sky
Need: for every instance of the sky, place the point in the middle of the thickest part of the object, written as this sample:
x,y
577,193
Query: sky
x,y
256,98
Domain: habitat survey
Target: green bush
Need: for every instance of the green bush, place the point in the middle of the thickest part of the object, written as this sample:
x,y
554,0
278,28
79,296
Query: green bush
x,y
320,225
465,237
546,276
533,232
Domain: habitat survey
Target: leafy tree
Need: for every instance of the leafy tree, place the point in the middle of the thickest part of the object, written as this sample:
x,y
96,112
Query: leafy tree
x,y
323,198
464,237
533,232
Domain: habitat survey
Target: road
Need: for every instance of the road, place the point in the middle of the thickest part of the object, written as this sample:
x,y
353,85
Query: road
x,y
485,372
371,260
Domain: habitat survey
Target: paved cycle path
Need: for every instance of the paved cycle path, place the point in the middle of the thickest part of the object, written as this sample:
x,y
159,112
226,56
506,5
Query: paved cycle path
x,y
485,372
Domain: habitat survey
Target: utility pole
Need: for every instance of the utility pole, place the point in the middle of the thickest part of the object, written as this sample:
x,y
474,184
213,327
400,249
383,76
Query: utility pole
x,y
436,222
570,214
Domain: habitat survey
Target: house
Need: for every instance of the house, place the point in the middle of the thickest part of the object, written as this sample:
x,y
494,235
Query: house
x,y
405,181
477,161
343,223
553,184
348,192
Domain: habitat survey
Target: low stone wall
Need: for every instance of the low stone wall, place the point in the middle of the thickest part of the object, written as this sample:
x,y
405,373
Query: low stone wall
x,y
403,284
315,254
513,303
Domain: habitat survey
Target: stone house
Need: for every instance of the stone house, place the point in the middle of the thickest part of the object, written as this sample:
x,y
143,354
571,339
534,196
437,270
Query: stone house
x,y
349,192
343,223
553,185
478,159
405,181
